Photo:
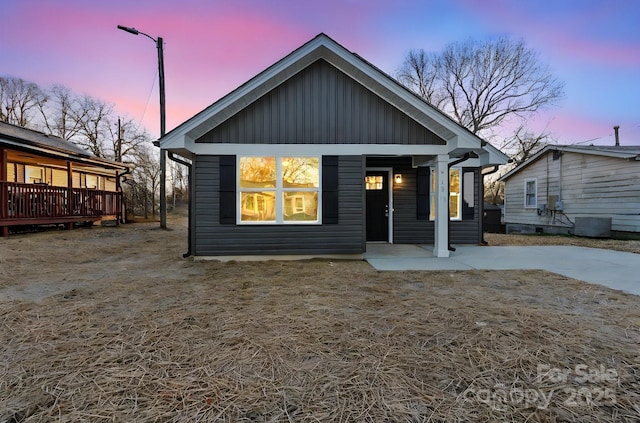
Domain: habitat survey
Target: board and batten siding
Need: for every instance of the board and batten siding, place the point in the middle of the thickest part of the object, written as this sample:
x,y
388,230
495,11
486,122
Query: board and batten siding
x,y
214,239
320,105
590,186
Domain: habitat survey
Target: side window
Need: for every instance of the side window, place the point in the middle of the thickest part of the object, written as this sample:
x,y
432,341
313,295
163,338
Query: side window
x,y
530,193
455,197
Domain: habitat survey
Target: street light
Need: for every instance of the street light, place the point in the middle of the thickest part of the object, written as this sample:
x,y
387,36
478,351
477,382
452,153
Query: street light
x,y
163,156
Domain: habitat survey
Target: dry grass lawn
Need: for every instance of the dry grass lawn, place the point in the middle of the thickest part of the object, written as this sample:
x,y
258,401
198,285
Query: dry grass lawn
x,y
111,324
630,246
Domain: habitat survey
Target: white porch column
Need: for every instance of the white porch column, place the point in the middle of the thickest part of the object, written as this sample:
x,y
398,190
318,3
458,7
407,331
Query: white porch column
x,y
441,238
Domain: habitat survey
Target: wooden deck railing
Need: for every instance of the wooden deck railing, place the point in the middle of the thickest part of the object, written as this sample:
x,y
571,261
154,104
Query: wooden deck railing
x,y
43,203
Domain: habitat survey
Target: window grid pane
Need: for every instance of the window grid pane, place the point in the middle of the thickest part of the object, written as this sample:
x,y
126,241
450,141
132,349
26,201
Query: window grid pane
x,y
257,172
300,172
374,183
258,206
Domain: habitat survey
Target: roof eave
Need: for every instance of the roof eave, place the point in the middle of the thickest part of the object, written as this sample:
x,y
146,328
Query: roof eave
x,y
62,154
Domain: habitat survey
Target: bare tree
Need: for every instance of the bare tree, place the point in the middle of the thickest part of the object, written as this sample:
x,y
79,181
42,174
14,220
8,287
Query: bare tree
x,y
178,179
95,118
18,99
123,140
481,84
420,73
493,191
60,114
147,174
524,144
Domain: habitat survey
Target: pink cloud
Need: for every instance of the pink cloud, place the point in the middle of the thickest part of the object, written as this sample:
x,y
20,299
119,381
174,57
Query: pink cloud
x,y
567,127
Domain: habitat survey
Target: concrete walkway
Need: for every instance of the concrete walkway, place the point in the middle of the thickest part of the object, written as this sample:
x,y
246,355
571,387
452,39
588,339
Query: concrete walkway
x,y
614,269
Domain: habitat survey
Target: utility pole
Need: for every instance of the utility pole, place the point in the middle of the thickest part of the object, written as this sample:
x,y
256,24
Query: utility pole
x,y
163,155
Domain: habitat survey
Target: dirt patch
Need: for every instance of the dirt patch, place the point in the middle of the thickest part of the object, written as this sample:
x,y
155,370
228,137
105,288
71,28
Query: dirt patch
x,y
112,324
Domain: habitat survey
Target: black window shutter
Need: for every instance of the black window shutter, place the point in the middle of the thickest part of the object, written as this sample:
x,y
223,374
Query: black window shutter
x,y
422,193
227,190
468,193
330,188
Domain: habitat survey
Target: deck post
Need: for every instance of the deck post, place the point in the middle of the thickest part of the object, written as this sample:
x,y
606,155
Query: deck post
x,y
70,204
441,236
4,195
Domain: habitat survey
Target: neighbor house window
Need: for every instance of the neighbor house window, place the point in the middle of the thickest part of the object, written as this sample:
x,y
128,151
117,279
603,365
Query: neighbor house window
x,y
530,193
34,174
455,203
91,181
275,189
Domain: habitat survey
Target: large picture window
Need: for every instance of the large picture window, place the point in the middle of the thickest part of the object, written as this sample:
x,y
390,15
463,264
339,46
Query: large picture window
x,y
455,197
275,189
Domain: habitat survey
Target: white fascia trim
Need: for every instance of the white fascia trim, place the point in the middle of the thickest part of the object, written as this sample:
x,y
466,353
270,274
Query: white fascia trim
x,y
316,149
492,157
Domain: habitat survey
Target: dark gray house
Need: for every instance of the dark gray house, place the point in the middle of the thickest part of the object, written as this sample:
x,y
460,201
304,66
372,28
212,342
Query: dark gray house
x,y
321,153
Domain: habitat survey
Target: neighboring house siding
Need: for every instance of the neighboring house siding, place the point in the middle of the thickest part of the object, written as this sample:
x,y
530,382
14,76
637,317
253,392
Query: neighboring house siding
x,y
320,105
214,239
589,185
515,211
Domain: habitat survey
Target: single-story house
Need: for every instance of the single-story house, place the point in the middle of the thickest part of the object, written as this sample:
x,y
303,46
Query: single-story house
x,y
323,152
571,189
46,180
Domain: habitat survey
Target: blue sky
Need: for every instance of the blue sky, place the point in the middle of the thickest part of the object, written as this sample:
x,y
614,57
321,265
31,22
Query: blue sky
x,y
212,47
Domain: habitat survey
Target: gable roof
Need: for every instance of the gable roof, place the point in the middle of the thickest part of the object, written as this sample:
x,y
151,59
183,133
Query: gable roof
x,y
631,153
323,47
49,145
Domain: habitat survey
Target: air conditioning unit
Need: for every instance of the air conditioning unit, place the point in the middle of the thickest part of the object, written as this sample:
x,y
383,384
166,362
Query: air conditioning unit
x,y
593,227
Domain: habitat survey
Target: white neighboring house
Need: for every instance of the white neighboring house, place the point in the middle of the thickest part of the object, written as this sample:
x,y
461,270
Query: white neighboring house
x,y
582,190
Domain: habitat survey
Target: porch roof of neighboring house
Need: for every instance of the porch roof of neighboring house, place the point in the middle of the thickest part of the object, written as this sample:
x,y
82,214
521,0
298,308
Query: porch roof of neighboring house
x,y
40,144
631,153
459,140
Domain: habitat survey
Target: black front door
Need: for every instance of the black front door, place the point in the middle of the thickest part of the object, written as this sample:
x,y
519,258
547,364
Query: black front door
x,y
377,192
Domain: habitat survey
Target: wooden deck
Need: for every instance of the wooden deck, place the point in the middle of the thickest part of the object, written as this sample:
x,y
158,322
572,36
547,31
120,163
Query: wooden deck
x,y
34,204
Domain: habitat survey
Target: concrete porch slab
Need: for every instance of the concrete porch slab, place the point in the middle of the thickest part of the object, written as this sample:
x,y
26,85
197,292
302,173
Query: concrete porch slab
x,y
614,269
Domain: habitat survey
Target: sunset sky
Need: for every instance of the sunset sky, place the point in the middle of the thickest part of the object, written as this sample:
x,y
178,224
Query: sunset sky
x,y
213,46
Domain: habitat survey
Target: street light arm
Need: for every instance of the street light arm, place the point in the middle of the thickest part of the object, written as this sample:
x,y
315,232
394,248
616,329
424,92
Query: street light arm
x,y
134,31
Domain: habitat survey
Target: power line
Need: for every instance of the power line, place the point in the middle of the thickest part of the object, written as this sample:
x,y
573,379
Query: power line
x,y
153,84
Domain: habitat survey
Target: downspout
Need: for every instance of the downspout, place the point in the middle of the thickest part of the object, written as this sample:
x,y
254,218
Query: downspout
x,y
460,160
189,166
481,203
